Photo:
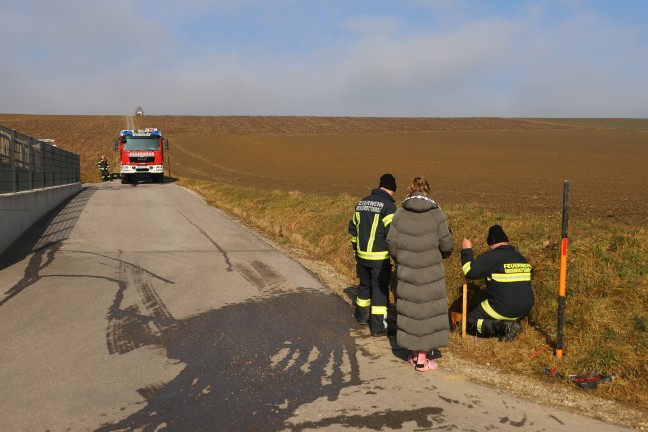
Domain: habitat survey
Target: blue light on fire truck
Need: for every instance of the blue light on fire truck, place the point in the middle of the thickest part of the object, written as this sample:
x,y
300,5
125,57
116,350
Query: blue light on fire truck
x,y
126,132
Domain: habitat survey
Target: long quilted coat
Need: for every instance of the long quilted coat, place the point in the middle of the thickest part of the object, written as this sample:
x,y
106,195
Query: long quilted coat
x,y
419,239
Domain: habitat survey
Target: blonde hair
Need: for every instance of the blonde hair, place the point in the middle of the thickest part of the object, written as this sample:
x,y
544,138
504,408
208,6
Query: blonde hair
x,y
419,184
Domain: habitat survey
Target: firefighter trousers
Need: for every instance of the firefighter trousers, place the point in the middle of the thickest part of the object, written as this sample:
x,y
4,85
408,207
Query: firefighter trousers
x,y
480,323
373,293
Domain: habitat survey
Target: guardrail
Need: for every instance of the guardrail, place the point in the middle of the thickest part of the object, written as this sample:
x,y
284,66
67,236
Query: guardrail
x,y
27,163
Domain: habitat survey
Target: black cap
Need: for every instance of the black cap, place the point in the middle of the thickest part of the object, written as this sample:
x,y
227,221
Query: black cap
x,y
388,182
496,235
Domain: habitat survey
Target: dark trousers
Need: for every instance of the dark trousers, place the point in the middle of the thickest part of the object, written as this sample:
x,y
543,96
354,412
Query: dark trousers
x,y
104,174
480,323
373,293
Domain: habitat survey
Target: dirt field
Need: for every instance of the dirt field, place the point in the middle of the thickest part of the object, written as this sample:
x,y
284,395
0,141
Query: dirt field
x,y
504,164
509,165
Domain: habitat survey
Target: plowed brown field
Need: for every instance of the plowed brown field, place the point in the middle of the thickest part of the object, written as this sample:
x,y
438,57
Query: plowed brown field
x,y
509,165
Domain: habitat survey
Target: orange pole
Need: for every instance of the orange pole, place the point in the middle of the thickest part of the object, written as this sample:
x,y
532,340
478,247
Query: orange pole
x,y
563,268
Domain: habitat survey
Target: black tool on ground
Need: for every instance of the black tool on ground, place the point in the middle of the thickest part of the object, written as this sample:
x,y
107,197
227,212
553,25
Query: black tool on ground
x,y
583,380
590,380
553,373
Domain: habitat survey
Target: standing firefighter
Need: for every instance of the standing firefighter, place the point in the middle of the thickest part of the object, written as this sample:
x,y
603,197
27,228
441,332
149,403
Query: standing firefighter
x,y
104,166
368,228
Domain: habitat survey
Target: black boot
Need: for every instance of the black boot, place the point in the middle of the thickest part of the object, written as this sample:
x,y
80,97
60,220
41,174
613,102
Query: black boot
x,y
362,314
378,325
489,328
509,329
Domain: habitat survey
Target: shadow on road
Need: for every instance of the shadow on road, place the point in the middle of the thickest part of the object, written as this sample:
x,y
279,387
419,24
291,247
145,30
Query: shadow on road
x,y
249,366
43,240
52,228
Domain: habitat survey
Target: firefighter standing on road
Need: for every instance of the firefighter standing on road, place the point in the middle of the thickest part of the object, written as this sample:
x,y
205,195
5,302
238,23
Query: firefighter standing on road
x,y
368,228
104,166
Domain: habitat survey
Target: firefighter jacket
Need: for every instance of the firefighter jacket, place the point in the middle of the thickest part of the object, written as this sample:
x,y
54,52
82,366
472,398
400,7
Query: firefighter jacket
x,y
103,164
369,227
509,293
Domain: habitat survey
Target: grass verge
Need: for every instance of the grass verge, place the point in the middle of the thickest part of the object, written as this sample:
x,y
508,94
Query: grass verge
x,y
606,317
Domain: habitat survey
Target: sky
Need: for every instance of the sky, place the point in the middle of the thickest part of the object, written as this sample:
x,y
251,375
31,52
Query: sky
x,y
377,58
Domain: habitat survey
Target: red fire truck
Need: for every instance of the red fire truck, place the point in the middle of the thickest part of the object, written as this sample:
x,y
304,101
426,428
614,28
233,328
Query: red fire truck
x,y
141,155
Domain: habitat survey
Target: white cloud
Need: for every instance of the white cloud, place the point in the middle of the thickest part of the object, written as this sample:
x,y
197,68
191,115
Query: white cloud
x,y
107,59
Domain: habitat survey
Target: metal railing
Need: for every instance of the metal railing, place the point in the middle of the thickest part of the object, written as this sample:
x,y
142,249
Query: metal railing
x,y
27,163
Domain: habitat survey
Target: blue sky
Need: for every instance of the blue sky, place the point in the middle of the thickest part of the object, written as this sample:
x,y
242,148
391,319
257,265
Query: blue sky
x,y
403,58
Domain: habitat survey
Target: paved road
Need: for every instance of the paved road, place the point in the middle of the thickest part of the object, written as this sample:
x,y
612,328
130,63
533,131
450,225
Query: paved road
x,y
140,308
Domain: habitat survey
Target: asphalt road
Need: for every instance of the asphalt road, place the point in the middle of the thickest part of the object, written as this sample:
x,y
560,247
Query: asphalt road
x,y
140,308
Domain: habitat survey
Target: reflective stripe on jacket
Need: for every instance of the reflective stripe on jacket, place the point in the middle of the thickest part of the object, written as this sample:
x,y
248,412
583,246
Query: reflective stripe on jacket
x,y
508,280
370,224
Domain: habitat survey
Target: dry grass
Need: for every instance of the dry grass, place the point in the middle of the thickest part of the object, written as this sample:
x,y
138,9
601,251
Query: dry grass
x,y
606,305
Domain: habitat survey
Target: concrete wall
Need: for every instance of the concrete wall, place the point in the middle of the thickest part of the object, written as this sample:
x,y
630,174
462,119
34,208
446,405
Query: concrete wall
x,y
19,211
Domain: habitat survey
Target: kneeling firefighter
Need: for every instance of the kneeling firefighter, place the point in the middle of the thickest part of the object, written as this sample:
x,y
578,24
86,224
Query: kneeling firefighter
x,y
509,294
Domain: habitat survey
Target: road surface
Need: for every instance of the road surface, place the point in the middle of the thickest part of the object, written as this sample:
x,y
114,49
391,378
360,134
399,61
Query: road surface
x,y
141,308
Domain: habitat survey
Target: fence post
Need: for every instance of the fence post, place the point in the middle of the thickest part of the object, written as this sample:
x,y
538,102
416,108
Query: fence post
x,y
30,164
12,162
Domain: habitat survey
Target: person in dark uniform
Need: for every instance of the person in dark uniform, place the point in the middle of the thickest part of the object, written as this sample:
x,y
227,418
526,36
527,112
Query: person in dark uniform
x,y
368,229
104,166
509,294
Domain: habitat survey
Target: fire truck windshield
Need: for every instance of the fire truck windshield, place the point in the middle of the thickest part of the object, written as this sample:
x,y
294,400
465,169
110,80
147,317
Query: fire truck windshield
x,y
141,143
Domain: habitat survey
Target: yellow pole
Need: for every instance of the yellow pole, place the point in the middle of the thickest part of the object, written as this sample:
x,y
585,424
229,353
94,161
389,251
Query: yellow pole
x,y
464,309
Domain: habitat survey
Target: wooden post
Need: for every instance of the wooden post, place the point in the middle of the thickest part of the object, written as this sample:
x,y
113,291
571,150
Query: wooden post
x,y
464,309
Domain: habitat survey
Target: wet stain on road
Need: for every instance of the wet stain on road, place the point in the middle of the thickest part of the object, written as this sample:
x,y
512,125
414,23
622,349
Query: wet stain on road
x,y
261,275
248,366
38,261
521,423
423,417
222,251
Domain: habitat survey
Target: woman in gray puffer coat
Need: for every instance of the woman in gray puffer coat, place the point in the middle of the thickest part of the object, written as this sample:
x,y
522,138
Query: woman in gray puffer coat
x,y
419,239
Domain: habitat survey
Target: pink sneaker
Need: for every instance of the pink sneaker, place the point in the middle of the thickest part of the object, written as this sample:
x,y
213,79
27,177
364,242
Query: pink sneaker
x,y
427,366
